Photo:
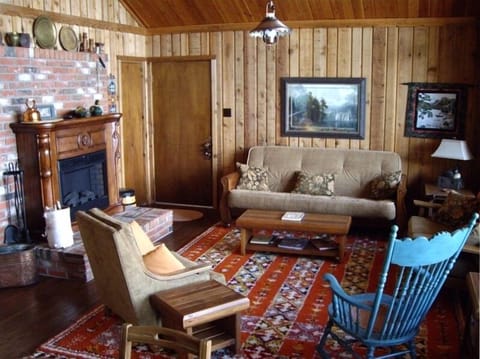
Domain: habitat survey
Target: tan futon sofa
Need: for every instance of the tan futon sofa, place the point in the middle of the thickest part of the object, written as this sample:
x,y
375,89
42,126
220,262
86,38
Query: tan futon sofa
x,y
354,174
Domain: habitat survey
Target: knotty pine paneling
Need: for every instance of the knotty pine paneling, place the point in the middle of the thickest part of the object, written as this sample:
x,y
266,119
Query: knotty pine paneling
x,y
248,75
387,56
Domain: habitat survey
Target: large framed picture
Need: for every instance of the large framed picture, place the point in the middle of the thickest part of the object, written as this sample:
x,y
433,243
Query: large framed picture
x,y
323,107
436,110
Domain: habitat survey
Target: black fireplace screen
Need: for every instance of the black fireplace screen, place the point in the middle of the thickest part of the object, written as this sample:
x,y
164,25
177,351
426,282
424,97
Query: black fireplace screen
x,y
83,182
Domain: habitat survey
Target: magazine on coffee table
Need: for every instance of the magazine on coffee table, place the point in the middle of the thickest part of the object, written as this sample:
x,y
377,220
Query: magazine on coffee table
x,y
293,216
324,242
293,243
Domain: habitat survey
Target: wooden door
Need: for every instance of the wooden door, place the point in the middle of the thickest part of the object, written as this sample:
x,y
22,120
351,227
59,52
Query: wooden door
x,y
182,120
134,141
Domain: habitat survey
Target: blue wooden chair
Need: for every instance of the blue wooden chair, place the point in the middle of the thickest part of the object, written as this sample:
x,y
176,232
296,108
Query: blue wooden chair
x,y
413,273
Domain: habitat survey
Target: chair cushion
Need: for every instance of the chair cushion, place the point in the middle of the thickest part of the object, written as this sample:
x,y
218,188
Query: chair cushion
x,y
385,185
252,178
144,243
315,184
162,261
456,210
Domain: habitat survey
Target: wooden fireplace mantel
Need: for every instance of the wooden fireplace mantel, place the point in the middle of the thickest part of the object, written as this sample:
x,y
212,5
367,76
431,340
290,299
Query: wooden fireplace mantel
x,y
41,145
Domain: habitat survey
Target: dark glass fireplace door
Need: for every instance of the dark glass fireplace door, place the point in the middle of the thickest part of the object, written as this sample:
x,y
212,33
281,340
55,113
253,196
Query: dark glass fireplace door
x,y
83,182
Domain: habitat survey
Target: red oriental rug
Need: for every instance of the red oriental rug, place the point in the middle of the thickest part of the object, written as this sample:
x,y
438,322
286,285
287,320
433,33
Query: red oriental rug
x,y
288,306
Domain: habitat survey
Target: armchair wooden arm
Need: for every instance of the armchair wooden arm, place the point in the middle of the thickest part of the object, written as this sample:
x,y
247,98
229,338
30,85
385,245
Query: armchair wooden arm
x,y
400,203
228,183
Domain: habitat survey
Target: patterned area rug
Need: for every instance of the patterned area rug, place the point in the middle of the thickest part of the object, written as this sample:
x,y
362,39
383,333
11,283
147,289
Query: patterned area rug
x,y
288,304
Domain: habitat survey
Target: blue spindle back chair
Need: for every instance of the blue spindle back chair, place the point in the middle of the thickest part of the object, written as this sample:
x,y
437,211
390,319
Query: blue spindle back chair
x,y
414,271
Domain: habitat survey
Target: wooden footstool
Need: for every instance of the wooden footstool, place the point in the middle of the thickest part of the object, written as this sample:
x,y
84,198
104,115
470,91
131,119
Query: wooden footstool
x,y
206,310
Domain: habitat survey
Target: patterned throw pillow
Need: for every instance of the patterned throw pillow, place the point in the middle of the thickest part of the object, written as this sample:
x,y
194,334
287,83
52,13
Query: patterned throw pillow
x,y
316,184
385,186
456,210
252,178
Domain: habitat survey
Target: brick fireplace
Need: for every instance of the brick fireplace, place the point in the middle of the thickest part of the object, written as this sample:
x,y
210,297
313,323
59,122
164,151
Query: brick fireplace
x,y
59,78
64,157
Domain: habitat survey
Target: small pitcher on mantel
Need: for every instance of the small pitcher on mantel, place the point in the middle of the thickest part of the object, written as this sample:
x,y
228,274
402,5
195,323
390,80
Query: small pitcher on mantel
x,y
31,114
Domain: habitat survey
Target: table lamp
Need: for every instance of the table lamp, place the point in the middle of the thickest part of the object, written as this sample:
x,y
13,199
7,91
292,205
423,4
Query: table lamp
x,y
454,150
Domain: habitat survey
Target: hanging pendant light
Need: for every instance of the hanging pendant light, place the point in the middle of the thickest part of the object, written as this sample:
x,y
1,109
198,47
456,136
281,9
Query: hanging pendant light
x,y
270,28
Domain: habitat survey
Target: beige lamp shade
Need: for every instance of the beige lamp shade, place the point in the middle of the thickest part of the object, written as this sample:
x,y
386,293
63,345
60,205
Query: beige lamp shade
x,y
453,149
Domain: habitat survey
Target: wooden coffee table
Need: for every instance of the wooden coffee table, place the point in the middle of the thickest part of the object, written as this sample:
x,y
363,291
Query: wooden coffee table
x,y
253,219
207,310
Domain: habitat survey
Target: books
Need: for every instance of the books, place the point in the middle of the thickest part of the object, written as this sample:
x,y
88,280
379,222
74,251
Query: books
x,y
324,242
293,216
293,243
262,239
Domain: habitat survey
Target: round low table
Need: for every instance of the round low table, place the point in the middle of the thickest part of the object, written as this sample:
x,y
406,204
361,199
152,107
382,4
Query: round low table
x,y
185,215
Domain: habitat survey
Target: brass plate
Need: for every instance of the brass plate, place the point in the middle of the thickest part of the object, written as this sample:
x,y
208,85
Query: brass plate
x,y
45,32
68,38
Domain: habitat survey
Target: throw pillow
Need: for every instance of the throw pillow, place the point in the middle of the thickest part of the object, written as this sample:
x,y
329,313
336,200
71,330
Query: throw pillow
x,y
144,243
162,261
385,186
456,210
252,178
315,184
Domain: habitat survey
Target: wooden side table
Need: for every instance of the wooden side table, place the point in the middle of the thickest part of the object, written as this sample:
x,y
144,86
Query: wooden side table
x,y
207,310
437,194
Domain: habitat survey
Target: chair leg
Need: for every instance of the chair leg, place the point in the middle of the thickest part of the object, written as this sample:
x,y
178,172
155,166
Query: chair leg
x,y
323,340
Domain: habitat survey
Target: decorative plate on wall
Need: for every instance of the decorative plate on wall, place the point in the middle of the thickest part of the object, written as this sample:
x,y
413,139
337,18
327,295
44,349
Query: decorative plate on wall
x,y
45,32
68,38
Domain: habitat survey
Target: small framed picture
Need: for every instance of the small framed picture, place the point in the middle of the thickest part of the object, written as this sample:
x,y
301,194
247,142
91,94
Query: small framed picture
x,y
436,110
47,112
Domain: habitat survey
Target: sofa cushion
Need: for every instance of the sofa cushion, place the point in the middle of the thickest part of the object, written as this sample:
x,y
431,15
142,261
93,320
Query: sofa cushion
x,y
456,210
162,261
342,205
252,178
385,185
315,184
353,169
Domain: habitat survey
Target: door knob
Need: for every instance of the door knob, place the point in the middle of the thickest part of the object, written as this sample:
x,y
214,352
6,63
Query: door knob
x,y
207,149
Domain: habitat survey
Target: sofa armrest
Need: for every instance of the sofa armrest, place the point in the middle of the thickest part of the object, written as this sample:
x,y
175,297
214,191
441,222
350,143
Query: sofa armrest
x,y
401,208
228,182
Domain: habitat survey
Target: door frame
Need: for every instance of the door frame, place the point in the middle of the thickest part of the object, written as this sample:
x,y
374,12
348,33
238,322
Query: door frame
x,y
147,123
215,122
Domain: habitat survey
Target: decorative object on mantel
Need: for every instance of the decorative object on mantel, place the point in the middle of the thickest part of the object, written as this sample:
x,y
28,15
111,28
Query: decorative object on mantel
x,y
270,28
31,114
12,39
436,110
454,150
68,38
96,110
45,32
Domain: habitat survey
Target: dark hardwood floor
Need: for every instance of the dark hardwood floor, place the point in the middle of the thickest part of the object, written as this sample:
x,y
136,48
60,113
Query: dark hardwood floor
x,y
31,315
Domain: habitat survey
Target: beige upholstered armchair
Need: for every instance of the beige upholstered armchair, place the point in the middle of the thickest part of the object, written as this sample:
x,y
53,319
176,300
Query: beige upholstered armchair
x,y
117,253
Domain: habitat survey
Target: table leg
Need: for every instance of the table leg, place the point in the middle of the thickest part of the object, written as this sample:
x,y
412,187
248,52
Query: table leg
x,y
244,237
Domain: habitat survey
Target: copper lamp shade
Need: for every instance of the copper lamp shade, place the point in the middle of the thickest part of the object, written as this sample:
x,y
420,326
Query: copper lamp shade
x,y
270,28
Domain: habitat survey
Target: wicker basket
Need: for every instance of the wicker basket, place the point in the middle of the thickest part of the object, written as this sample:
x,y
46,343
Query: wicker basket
x,y
17,265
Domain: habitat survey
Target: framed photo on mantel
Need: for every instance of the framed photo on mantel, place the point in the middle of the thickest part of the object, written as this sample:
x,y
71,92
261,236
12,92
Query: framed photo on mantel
x,y
436,110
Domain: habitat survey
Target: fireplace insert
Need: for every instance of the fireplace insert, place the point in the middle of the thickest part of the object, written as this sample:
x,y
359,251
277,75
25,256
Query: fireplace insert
x,y
83,182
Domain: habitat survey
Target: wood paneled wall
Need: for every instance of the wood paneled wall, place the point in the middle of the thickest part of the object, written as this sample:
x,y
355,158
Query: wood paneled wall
x,y
249,75
387,53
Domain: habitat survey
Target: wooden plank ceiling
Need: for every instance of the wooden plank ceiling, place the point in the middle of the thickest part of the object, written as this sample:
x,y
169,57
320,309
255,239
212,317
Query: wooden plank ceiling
x,y
163,14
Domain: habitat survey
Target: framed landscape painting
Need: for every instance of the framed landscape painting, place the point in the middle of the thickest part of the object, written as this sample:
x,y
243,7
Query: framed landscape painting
x,y
323,107
435,110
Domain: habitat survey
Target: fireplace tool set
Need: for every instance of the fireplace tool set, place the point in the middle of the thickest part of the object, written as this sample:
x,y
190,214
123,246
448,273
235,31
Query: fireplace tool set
x,y
18,232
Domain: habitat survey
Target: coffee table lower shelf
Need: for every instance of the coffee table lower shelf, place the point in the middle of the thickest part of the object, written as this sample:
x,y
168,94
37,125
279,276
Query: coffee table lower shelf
x,y
307,251
255,219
